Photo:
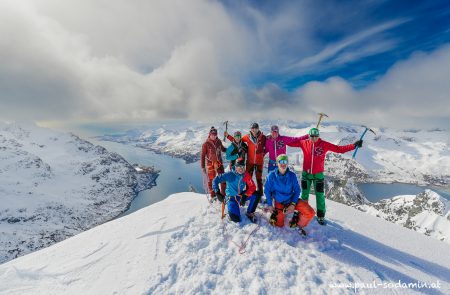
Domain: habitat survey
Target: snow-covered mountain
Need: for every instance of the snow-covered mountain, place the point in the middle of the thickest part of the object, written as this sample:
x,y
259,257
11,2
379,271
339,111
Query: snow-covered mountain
x,y
407,156
426,212
54,185
166,249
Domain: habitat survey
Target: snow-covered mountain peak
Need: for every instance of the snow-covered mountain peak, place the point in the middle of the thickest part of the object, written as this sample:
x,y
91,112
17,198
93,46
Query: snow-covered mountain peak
x,y
54,185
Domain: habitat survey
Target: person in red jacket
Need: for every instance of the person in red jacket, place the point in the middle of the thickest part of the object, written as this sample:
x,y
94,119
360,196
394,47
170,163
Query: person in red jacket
x,y
211,160
314,151
256,142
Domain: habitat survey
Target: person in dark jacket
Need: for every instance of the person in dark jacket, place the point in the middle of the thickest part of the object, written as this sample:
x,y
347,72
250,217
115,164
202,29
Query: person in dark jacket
x,y
240,188
237,148
282,187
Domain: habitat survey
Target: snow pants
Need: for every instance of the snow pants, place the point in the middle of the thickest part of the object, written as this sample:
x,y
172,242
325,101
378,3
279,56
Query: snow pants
x,y
319,189
306,213
233,206
258,169
212,171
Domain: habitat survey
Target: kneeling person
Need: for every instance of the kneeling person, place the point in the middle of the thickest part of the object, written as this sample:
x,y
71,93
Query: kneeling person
x,y
282,185
240,188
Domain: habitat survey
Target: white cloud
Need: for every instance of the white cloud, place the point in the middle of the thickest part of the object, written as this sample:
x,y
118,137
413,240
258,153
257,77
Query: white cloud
x,y
362,39
414,92
144,60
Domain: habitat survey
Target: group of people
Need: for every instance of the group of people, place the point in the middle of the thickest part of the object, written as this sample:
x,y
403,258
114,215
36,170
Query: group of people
x,y
281,189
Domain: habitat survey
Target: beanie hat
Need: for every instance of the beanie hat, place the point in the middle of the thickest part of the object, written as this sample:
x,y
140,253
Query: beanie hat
x,y
213,130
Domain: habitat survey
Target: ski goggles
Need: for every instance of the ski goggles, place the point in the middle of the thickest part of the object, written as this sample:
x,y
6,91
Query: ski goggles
x,y
283,162
239,166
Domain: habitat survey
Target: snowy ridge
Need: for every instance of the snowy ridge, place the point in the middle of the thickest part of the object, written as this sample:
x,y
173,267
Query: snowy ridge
x,y
407,156
54,185
426,213
166,249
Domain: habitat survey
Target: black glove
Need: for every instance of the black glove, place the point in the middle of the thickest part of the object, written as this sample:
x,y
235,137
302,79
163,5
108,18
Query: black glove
x,y
220,197
244,198
358,143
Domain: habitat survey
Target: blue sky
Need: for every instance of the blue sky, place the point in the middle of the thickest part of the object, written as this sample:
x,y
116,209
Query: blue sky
x,y
81,61
399,28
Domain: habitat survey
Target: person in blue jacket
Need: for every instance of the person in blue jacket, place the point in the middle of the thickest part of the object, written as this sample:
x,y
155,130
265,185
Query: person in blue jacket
x,y
282,187
240,188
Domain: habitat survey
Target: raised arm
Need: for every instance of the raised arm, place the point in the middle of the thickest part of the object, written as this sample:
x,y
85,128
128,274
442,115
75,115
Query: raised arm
x,y
288,140
340,149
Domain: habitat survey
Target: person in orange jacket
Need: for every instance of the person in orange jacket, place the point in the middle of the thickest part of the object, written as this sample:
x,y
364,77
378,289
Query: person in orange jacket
x,y
211,160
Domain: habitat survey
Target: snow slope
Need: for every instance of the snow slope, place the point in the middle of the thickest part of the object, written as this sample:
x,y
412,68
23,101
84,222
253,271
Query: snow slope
x,y
180,246
54,185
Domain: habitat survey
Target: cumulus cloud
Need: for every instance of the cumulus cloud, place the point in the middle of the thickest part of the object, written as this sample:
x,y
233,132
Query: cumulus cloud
x,y
413,92
148,60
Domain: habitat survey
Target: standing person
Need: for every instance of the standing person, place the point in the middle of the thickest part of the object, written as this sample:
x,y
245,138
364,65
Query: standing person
x,y
240,188
282,185
276,145
256,142
237,148
314,151
211,159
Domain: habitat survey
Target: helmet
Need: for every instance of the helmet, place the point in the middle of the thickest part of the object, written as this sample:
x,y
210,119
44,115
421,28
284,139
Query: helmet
x,y
254,125
314,132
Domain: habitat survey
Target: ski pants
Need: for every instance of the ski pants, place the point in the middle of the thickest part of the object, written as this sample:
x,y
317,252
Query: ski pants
x,y
212,170
258,169
233,203
306,213
319,189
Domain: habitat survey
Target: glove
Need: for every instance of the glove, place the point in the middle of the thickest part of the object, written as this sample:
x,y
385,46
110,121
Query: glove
x,y
244,198
358,143
225,133
220,197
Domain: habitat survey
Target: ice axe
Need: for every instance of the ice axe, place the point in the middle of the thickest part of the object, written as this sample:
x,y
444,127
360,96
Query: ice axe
x,y
226,130
362,135
320,119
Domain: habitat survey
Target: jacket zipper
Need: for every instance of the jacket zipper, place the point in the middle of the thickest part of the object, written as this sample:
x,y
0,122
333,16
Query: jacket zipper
x,y
312,158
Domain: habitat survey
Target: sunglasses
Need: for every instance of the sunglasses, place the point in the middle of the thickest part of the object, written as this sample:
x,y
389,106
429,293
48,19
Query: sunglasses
x,y
314,136
283,162
240,166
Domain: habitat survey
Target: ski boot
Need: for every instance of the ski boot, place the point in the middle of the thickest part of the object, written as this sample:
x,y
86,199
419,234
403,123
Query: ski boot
x,y
294,221
273,218
321,221
251,217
